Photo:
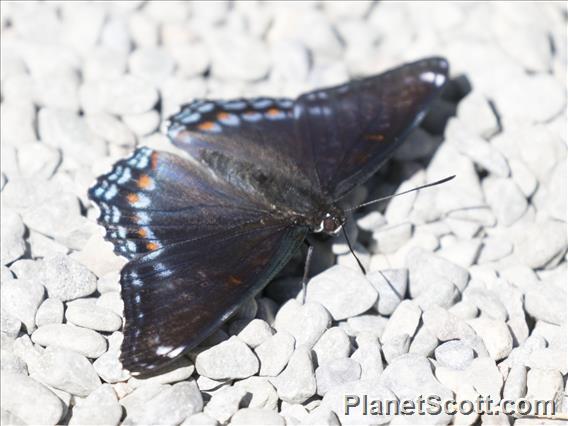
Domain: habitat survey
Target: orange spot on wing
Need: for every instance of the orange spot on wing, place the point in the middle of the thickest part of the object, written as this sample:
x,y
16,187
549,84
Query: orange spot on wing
x,y
141,233
144,181
132,198
273,111
206,125
375,137
232,280
154,160
223,115
152,246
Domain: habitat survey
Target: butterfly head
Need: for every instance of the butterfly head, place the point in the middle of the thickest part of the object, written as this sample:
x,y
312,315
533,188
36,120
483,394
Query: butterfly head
x,y
331,221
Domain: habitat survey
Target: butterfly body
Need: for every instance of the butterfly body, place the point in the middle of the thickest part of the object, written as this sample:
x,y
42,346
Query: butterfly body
x,y
205,232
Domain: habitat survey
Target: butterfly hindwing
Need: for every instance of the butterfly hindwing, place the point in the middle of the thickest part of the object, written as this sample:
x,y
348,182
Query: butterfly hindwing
x,y
353,128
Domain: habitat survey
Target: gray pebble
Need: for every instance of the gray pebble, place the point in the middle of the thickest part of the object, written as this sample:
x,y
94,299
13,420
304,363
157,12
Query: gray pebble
x,y
424,342
169,407
465,229
225,403
426,269
548,359
261,394
257,416
462,252
333,344
200,419
179,370
334,400
442,293
9,325
66,370
297,382
42,246
389,239
100,407
111,301
151,64
505,199
321,416
21,299
274,353
464,310
143,124
368,355
12,363
93,317
396,346
111,129
486,301
516,383
108,365
540,242
109,283
49,312
478,150
6,274
29,400
454,354
365,323
134,401
547,302
13,244
293,413
484,375
335,373
84,341
344,292
305,322
391,284
65,278
255,333
231,359
404,320
544,385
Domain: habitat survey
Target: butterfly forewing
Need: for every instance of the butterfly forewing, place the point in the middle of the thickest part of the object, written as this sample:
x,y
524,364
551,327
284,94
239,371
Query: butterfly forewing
x,y
354,127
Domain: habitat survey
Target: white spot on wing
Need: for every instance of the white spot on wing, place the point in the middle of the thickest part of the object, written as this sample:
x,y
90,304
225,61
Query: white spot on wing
x,y
175,352
162,350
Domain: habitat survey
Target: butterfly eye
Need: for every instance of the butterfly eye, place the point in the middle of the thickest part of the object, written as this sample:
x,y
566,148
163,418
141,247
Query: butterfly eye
x,y
331,225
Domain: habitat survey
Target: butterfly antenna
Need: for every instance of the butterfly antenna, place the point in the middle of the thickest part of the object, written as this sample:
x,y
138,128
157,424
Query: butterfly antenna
x,y
401,193
352,252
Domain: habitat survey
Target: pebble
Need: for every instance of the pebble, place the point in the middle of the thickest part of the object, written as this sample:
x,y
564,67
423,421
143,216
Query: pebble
x,y
179,370
274,353
100,407
516,383
424,342
547,302
225,403
306,323
495,335
13,244
21,299
255,333
257,416
395,347
65,278
484,375
476,149
170,406
333,344
494,249
539,243
368,355
334,400
143,124
111,301
505,199
464,310
18,124
454,354
389,239
365,323
81,340
66,370
151,64
426,269
344,292
192,59
49,312
336,373
297,383
108,365
238,57
122,96
261,394
475,112
38,160
109,283
544,385
111,129
29,400
200,419
93,317
404,320
103,63
523,177
9,325
231,359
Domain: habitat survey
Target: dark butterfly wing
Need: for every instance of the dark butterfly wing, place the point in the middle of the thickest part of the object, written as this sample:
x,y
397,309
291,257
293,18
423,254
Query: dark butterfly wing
x,y
353,128
198,247
259,131
177,296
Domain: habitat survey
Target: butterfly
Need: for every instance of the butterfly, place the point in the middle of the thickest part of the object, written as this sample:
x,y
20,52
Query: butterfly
x,y
205,232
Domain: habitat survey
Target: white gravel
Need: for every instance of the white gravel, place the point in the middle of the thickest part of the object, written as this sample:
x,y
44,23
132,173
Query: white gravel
x,y
465,291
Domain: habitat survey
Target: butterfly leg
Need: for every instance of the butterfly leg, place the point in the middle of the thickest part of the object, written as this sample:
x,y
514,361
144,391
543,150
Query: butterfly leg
x,y
306,271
